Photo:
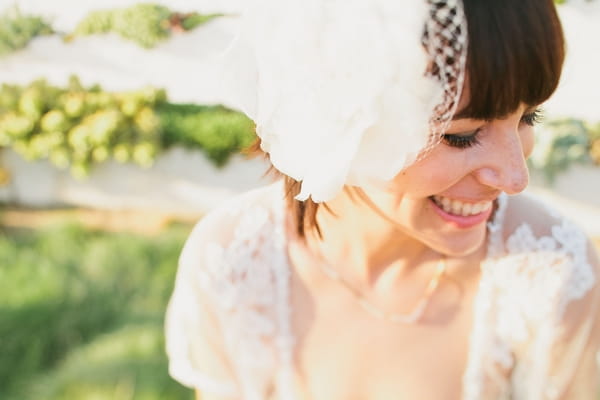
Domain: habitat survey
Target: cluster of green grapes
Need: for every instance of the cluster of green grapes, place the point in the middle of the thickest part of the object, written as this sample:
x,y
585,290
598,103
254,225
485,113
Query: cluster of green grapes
x,y
16,30
146,24
77,127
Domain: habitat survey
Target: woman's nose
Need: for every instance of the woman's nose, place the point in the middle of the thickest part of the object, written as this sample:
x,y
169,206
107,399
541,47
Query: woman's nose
x,y
505,167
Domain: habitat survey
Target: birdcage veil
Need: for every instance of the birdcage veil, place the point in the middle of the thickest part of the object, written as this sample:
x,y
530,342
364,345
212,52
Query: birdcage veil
x,y
346,92
446,39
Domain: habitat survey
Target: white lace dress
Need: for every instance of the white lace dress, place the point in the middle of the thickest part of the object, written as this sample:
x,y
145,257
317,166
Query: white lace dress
x,y
534,334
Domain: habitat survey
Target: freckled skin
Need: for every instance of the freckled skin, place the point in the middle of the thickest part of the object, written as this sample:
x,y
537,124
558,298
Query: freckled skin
x,y
497,164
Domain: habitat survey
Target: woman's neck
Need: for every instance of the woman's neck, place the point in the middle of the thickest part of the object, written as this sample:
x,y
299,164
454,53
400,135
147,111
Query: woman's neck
x,y
356,236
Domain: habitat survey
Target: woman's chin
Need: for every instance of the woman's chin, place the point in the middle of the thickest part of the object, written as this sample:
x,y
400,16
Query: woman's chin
x,y
460,245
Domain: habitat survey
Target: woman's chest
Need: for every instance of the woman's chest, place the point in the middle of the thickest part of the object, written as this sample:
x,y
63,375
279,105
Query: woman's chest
x,y
343,352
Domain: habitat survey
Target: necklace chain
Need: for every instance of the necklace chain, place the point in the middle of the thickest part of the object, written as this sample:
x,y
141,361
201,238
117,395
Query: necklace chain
x,y
409,318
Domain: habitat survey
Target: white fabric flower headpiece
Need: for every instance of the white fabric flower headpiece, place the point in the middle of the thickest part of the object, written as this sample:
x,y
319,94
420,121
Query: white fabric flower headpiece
x,y
346,92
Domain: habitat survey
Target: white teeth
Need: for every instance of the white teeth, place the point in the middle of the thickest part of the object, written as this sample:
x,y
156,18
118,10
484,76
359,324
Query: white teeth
x,y
457,207
446,202
466,209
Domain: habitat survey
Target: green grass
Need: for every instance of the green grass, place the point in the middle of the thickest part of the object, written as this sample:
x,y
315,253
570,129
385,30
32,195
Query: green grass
x,y
81,314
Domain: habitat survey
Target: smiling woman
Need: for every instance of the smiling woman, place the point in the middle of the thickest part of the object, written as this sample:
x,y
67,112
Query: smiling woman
x,y
394,249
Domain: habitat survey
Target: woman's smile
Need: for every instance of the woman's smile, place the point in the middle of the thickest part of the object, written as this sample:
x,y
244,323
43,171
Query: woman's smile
x,y
460,213
461,208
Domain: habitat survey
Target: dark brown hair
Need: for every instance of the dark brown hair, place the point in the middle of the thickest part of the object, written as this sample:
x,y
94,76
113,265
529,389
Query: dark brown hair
x,y
516,53
515,56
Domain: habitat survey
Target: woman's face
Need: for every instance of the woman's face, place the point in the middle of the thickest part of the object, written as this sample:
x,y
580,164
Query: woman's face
x,y
445,199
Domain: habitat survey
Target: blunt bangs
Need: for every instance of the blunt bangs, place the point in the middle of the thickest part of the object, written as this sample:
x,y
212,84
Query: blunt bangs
x,y
516,53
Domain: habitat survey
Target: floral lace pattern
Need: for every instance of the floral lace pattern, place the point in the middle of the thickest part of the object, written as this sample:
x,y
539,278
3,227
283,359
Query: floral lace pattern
x,y
249,280
527,282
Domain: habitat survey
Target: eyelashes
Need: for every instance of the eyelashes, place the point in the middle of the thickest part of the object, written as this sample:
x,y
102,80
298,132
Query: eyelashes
x,y
533,118
463,141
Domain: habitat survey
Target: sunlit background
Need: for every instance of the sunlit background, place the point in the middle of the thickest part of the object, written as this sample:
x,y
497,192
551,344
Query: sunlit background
x,y
114,140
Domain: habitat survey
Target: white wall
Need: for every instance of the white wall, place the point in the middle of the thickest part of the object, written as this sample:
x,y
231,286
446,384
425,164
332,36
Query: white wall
x,y
181,181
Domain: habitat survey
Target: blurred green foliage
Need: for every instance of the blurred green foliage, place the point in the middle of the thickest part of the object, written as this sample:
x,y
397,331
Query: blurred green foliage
x,y
561,143
81,314
216,130
147,24
76,127
191,21
17,30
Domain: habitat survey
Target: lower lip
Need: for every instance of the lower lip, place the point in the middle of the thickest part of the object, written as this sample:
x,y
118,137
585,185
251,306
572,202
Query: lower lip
x,y
459,220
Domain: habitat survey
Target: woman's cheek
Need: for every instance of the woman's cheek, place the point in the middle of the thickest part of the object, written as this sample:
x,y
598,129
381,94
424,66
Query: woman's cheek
x,y
527,140
440,169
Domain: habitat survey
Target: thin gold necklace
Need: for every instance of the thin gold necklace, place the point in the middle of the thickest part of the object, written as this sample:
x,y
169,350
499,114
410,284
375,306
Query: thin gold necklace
x,y
410,318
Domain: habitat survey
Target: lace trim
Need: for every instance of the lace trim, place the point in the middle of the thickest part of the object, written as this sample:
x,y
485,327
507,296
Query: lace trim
x,y
242,281
525,288
567,275
249,279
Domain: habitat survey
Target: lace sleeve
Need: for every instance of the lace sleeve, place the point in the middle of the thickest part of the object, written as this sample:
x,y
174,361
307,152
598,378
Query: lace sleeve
x,y
194,341
573,369
548,303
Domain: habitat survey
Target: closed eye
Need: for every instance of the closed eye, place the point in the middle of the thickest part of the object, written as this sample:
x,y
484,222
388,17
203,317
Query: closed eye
x,y
461,141
466,140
